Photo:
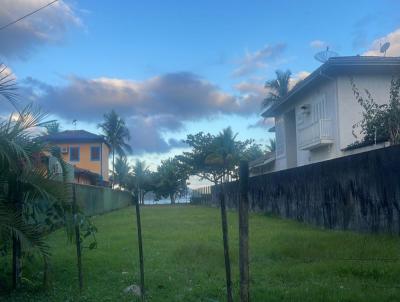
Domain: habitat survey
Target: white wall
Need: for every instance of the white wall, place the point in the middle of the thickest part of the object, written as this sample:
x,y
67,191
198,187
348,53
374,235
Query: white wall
x,y
350,112
325,93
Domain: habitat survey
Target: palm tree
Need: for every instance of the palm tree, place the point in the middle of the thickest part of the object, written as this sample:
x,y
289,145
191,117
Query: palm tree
x,y
117,135
122,170
140,175
278,88
272,145
7,85
23,183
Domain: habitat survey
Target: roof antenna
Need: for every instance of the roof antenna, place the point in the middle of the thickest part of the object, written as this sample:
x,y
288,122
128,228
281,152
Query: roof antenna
x,y
325,55
384,48
74,123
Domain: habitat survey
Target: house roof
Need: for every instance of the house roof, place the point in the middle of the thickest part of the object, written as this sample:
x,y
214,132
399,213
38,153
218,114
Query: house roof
x,y
74,136
335,66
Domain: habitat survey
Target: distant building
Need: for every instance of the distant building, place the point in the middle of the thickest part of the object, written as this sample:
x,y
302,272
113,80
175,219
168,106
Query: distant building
x,y
315,121
88,153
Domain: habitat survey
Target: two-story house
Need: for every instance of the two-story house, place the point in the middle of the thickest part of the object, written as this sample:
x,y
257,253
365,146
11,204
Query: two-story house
x,y
314,122
88,153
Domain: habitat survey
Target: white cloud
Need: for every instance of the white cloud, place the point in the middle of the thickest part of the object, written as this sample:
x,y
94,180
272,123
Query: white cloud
x,y
317,44
259,59
45,26
394,49
297,78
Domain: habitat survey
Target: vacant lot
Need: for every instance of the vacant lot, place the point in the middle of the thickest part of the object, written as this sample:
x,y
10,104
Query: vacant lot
x,y
184,260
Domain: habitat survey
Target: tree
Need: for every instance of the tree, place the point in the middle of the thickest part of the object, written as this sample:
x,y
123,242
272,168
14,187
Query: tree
x,y
216,158
141,180
379,122
117,135
27,190
278,87
122,170
271,148
171,179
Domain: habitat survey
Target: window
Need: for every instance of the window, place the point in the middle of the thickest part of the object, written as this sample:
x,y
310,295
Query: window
x,y
74,153
95,153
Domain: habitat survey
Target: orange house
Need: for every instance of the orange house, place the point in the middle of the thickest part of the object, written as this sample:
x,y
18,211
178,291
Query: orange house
x,y
86,151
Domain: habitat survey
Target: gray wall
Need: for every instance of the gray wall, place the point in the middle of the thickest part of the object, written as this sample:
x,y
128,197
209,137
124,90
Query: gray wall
x,y
97,200
360,192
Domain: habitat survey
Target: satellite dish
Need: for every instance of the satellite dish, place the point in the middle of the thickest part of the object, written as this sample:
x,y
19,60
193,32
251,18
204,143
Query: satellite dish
x,y
384,48
325,55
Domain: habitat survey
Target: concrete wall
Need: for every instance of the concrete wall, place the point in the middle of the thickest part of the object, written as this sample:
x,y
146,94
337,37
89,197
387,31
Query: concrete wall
x,y
359,192
98,200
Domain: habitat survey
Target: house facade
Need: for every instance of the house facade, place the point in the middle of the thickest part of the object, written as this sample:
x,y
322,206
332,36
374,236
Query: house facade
x,y
88,153
315,121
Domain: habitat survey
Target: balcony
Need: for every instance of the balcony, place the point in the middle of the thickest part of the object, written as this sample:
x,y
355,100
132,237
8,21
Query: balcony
x,y
317,134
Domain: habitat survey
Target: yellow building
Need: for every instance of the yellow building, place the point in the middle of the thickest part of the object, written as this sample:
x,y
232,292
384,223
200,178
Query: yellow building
x,y
86,151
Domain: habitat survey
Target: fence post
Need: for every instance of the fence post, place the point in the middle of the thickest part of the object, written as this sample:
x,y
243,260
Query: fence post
x,y
140,244
77,236
225,239
244,231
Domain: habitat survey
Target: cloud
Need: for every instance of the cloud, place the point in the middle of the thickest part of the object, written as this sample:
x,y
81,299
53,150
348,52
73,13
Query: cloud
x,y
394,49
262,123
254,61
317,44
45,26
298,77
152,107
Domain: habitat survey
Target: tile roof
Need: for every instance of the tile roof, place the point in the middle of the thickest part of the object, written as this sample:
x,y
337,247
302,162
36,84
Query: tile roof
x,y
73,136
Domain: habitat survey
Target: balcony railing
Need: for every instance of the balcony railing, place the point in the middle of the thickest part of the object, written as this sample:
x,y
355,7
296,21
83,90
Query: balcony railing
x,y
315,135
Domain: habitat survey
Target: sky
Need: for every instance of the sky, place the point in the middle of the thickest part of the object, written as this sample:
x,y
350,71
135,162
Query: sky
x,y
171,68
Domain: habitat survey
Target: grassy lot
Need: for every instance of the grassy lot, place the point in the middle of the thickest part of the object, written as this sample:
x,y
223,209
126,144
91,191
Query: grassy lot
x,y
184,260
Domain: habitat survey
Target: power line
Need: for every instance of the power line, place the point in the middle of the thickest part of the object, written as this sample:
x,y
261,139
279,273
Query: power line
x,y
27,15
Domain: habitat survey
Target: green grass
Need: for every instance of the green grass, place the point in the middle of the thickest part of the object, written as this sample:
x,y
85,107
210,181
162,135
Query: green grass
x,y
184,260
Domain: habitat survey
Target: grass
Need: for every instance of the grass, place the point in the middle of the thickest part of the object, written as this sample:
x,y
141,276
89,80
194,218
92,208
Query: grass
x,y
184,260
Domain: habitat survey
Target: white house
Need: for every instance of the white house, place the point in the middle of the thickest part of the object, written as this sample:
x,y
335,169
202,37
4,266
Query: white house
x,y
315,121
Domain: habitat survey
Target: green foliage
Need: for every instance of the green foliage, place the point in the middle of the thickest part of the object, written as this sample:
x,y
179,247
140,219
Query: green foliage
x,y
27,191
122,170
271,147
116,134
379,122
170,179
216,157
278,87
8,88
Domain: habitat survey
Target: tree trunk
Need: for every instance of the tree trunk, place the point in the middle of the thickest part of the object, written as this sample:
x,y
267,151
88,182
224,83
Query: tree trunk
x,y
16,263
244,232
172,197
113,169
16,244
226,245
77,238
140,244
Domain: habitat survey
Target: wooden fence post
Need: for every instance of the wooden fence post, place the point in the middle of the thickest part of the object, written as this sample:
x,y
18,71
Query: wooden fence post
x,y
140,245
244,231
224,222
77,236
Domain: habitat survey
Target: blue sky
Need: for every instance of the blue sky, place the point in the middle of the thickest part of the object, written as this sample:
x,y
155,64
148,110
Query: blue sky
x,y
178,67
